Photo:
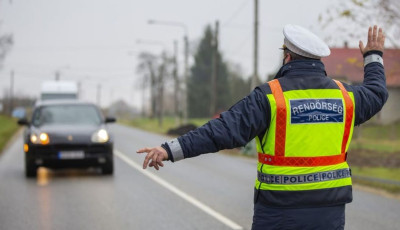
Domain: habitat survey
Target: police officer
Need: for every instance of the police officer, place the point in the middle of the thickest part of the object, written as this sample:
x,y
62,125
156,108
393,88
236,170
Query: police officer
x,y
302,122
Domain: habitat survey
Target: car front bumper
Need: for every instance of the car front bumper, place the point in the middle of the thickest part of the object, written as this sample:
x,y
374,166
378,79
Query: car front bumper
x,y
54,156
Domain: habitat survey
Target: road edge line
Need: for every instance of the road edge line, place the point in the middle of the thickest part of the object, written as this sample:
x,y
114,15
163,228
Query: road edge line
x,y
180,193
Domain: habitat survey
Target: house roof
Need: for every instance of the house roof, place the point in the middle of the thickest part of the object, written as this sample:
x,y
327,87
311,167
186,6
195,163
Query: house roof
x,y
348,64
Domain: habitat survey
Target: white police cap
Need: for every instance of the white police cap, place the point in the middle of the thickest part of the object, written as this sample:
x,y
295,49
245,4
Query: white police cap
x,y
303,42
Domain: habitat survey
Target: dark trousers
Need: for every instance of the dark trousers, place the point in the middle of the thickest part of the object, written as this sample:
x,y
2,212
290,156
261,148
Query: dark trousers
x,y
324,218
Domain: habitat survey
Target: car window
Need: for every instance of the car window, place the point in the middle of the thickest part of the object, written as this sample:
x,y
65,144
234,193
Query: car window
x,y
67,114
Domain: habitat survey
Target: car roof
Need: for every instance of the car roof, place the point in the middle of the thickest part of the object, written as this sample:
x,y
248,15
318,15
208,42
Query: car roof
x,y
62,102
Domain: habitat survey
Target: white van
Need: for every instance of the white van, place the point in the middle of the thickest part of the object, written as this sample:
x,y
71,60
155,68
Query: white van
x,y
55,90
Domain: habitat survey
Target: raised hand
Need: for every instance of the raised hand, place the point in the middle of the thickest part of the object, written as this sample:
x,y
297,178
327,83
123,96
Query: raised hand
x,y
376,40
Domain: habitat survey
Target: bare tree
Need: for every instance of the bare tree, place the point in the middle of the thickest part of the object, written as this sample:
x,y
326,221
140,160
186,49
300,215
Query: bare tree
x,y
147,66
161,79
347,19
160,71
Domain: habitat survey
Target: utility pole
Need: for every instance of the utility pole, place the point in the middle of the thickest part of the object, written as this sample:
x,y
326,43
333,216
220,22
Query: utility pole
x,y
11,91
214,74
143,97
98,94
176,84
255,80
186,76
57,75
79,89
160,86
153,92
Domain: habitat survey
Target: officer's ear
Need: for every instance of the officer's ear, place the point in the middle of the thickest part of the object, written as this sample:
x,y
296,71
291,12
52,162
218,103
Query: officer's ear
x,y
287,58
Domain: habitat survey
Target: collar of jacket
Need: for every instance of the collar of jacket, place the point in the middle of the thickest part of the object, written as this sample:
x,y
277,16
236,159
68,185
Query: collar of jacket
x,y
302,68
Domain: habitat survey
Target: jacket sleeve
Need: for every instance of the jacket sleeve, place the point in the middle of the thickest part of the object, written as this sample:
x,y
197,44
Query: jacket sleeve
x,y
235,127
372,94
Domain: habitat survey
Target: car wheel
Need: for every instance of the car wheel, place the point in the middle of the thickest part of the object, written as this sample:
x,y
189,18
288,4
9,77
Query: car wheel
x,y
30,169
108,167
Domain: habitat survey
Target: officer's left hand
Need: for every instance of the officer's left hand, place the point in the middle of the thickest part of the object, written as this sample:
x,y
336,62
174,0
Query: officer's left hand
x,y
376,40
155,156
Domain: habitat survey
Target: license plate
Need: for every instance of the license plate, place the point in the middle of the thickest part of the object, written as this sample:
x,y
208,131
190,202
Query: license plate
x,y
71,155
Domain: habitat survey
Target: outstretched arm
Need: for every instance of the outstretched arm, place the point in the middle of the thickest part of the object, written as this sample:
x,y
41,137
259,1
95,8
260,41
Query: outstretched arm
x,y
236,127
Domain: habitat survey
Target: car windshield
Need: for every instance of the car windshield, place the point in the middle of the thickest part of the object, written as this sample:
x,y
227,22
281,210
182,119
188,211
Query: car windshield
x,y
66,115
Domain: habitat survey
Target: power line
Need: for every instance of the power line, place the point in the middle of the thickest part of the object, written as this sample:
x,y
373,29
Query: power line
x,y
241,45
235,13
238,27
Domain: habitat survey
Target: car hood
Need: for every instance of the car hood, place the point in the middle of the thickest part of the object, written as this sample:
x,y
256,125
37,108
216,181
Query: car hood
x,y
68,133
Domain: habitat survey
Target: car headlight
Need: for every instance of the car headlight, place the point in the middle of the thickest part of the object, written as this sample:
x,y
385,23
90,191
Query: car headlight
x,y
42,138
34,138
100,136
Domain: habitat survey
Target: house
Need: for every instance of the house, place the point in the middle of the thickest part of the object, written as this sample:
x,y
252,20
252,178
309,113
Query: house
x,y
347,65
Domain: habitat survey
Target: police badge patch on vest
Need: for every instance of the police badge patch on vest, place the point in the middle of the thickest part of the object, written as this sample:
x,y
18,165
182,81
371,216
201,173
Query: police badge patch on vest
x,y
305,111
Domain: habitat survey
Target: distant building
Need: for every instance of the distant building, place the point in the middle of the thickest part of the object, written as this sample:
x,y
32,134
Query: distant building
x,y
346,64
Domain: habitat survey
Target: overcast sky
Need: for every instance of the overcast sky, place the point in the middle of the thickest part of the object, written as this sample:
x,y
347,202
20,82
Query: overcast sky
x,y
94,41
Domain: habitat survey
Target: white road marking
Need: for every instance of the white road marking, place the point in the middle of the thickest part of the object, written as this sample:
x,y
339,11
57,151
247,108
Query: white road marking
x,y
179,192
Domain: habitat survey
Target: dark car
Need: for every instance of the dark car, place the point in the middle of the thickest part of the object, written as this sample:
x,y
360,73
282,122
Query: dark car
x,y
67,134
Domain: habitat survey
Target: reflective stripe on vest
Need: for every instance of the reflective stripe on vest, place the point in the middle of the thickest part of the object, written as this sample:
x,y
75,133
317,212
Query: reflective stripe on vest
x,y
304,178
279,158
349,115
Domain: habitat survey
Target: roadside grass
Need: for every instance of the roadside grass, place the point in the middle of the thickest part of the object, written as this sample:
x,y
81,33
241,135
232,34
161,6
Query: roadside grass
x,y
380,138
377,143
377,172
391,188
8,126
152,125
380,132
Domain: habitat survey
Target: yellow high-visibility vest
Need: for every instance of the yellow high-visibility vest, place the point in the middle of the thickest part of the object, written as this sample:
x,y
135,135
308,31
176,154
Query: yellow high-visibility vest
x,y
306,144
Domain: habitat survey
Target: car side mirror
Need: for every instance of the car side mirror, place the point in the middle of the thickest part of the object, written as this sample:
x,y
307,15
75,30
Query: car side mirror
x,y
110,119
23,121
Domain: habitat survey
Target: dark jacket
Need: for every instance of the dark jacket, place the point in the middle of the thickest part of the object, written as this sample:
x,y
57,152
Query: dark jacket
x,y
251,116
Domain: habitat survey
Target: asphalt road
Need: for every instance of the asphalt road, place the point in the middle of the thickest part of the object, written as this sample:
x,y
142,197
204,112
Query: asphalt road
x,y
214,191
